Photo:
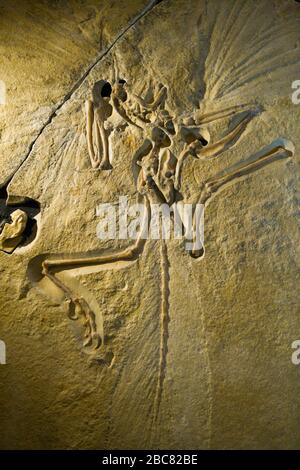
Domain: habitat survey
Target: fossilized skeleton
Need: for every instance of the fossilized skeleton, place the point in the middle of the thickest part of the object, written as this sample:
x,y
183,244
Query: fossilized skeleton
x,y
159,169
159,174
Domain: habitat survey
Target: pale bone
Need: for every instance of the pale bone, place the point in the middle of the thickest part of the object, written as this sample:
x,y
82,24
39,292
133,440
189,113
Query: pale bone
x,y
223,113
196,148
194,142
98,110
157,101
155,181
119,97
278,150
132,108
148,181
11,234
81,307
228,140
146,110
166,175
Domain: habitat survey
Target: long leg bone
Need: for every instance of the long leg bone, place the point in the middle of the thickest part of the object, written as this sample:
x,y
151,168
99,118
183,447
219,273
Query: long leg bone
x,y
223,113
81,308
213,150
265,157
98,110
89,108
278,150
198,150
105,163
98,141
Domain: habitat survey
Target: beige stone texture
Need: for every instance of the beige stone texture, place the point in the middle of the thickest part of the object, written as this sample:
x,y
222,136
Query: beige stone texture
x,y
197,352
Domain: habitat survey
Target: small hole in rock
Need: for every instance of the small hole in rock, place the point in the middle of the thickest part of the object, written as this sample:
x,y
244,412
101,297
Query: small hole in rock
x,y
197,254
106,90
203,141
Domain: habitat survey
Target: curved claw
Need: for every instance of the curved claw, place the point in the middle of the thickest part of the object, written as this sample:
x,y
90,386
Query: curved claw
x,y
97,340
93,340
71,310
87,342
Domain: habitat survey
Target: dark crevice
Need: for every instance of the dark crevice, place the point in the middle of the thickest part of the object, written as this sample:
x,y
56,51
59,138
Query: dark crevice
x,y
196,254
79,82
106,90
101,89
203,141
28,205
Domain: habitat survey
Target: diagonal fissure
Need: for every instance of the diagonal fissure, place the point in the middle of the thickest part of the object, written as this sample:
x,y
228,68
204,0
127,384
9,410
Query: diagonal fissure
x,y
79,82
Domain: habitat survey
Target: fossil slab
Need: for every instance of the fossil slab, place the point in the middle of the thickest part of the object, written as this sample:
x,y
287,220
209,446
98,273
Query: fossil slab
x,y
145,344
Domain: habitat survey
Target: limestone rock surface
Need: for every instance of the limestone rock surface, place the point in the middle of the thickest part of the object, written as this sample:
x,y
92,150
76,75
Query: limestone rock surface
x,y
195,353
